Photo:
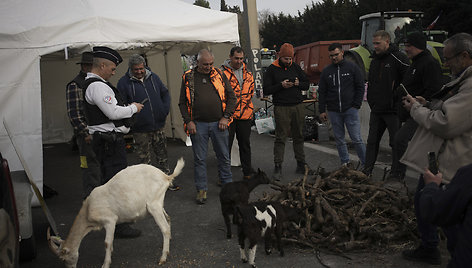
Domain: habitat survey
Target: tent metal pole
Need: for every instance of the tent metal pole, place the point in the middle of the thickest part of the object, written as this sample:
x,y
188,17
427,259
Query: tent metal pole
x,y
168,79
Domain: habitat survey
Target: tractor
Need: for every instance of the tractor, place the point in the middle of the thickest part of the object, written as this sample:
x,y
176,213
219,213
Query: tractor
x,y
398,24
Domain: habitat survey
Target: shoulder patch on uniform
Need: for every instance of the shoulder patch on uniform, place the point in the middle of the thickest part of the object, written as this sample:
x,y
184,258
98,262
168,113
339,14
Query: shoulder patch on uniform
x,y
107,99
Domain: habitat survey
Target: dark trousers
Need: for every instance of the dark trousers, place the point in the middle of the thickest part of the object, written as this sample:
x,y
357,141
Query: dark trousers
x,y
91,173
378,123
289,120
110,149
403,136
429,232
242,129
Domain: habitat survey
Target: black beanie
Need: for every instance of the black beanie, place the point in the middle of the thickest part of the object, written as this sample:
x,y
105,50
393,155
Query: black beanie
x,y
417,40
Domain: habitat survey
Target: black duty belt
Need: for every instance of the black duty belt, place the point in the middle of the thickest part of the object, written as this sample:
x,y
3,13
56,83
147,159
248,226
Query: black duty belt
x,y
109,136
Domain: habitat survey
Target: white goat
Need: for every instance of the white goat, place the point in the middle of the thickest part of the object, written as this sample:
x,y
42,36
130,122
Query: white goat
x,y
128,196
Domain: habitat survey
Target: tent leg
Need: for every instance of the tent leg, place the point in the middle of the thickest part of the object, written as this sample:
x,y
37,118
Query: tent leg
x,y
168,79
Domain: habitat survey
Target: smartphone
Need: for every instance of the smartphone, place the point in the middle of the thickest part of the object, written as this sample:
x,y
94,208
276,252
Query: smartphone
x,y
404,89
144,101
432,163
291,80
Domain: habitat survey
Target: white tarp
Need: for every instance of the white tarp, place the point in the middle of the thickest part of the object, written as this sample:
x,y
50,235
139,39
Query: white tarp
x,y
30,30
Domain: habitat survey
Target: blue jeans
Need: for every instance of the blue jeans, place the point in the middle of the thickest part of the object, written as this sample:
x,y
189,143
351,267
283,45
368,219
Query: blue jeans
x,y
350,118
219,140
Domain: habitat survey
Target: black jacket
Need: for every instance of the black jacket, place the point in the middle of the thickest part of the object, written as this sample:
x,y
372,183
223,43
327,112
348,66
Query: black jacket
x,y
451,208
422,78
275,74
341,87
385,75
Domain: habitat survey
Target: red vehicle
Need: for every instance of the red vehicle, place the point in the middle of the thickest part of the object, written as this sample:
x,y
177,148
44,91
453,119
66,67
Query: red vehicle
x,y
313,57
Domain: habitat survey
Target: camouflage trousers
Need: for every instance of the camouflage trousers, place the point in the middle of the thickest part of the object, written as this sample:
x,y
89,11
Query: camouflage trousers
x,y
147,143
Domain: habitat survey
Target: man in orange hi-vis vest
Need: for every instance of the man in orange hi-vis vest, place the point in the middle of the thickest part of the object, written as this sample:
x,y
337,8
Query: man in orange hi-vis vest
x,y
207,104
242,82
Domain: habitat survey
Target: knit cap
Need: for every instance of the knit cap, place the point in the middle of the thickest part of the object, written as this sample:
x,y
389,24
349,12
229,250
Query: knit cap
x,y
417,40
286,50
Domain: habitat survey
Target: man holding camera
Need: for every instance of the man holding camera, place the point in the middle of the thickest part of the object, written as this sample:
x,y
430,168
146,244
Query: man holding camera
x,y
285,80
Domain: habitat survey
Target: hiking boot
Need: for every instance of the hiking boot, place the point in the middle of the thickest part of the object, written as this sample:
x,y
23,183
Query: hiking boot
x,y
124,230
395,177
277,172
347,164
422,254
174,187
251,173
201,197
367,171
301,169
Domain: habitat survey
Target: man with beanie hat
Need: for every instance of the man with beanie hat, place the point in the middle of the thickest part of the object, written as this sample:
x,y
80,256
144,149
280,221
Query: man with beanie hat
x,y
106,113
285,80
422,78
89,165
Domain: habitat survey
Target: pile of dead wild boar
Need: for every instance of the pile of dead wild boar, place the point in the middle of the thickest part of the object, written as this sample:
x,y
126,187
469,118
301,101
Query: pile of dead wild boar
x,y
345,210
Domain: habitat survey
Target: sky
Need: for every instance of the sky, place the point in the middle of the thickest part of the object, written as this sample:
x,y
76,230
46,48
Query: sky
x,y
288,7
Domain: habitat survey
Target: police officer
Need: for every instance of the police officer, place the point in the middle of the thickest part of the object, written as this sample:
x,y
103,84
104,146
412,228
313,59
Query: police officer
x,y
106,116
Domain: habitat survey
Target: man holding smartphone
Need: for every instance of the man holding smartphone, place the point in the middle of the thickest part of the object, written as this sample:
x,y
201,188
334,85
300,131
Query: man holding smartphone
x,y
448,206
444,127
285,81
422,78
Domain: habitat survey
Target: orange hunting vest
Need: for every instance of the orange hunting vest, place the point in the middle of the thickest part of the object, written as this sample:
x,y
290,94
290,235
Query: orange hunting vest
x,y
217,81
244,108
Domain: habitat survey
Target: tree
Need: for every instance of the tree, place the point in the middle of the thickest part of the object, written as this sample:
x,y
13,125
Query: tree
x,y
223,6
339,19
202,3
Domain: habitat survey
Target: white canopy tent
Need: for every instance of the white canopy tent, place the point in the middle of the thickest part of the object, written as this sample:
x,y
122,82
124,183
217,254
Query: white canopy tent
x,y
40,42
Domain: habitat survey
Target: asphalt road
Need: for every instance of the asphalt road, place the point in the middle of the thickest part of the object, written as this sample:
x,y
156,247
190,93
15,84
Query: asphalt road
x,y
198,231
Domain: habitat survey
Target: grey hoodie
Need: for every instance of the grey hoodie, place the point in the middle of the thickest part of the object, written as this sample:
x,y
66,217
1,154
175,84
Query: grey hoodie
x,y
238,73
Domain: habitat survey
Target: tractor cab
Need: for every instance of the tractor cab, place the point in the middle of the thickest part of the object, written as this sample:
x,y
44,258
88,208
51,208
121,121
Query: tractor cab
x,y
398,24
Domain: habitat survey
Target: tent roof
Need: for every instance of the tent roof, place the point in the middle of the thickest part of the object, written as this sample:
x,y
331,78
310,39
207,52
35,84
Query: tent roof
x,y
118,24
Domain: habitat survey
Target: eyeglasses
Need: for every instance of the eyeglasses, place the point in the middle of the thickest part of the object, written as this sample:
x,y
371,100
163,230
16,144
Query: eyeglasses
x,y
446,59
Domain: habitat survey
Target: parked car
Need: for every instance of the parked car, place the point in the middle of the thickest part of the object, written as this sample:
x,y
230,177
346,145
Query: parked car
x,y
16,221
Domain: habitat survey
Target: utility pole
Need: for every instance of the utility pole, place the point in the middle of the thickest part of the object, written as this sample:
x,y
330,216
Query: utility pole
x,y
253,45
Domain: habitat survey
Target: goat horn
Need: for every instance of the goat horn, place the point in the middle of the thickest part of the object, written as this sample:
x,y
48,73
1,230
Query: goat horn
x,y
54,242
